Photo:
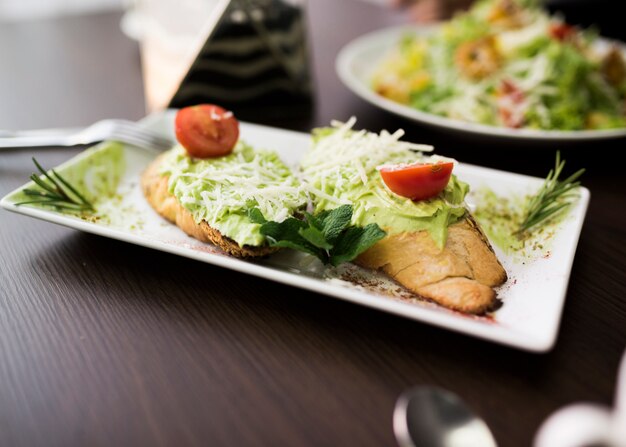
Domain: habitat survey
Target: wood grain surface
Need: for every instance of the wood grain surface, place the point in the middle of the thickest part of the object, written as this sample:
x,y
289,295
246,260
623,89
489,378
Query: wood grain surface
x,y
104,343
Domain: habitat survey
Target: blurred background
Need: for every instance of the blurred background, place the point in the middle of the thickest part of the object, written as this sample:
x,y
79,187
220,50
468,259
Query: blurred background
x,y
12,10
166,34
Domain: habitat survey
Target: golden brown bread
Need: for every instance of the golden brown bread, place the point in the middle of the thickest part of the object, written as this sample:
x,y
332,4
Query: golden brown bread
x,y
460,276
155,188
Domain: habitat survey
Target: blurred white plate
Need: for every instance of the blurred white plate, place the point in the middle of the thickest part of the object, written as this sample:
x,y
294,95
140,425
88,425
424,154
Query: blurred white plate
x,y
357,61
533,296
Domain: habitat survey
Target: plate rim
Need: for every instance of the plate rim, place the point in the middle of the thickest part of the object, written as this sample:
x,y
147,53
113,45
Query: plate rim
x,y
350,51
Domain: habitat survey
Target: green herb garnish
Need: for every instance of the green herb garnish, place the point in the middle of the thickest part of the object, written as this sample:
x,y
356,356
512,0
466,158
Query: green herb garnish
x,y
553,196
55,192
328,235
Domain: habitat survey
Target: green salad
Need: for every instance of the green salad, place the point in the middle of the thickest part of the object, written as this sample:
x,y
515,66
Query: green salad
x,y
508,63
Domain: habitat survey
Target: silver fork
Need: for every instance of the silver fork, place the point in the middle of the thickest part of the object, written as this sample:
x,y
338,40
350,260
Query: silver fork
x,y
113,129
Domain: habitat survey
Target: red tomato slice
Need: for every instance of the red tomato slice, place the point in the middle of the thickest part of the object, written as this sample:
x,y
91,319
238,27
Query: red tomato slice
x,y
561,31
206,130
417,181
509,89
510,100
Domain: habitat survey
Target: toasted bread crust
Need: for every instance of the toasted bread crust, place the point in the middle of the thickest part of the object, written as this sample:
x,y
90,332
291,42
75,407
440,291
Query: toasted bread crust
x,y
460,276
155,189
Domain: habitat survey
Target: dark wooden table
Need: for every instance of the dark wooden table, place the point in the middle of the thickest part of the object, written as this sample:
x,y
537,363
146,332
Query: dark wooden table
x,y
106,343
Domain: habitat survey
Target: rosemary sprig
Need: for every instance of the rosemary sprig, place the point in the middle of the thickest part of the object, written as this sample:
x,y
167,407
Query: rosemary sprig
x,y
552,197
55,192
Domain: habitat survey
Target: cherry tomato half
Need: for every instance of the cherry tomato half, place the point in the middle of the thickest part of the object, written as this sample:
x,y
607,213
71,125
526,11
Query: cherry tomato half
x,y
206,130
417,181
561,31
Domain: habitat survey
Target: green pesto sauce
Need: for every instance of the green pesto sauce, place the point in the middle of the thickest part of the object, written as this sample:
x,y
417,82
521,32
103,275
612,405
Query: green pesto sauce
x,y
95,173
500,217
98,174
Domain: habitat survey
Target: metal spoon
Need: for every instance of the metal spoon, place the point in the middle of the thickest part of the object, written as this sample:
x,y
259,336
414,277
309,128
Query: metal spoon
x,y
433,417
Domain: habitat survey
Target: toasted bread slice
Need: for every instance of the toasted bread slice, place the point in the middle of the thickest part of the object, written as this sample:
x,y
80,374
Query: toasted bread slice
x,y
460,276
155,188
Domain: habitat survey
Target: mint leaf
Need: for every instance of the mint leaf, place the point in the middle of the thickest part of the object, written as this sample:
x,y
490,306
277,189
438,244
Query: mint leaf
x,y
313,220
327,236
315,237
256,216
286,234
335,221
354,241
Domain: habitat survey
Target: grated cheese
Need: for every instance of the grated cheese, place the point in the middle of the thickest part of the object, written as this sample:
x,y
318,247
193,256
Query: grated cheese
x,y
217,189
346,159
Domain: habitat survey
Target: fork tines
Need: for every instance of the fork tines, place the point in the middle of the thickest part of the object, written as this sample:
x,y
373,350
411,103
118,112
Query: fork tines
x,y
129,132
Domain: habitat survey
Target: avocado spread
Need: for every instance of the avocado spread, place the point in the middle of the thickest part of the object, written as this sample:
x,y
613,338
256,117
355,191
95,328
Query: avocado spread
x,y
341,167
222,190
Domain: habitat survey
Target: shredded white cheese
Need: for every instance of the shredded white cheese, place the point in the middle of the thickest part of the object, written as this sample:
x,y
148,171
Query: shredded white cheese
x,y
245,179
347,156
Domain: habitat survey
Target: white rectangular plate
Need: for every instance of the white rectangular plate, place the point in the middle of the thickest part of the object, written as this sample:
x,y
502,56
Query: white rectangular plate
x,y
533,297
